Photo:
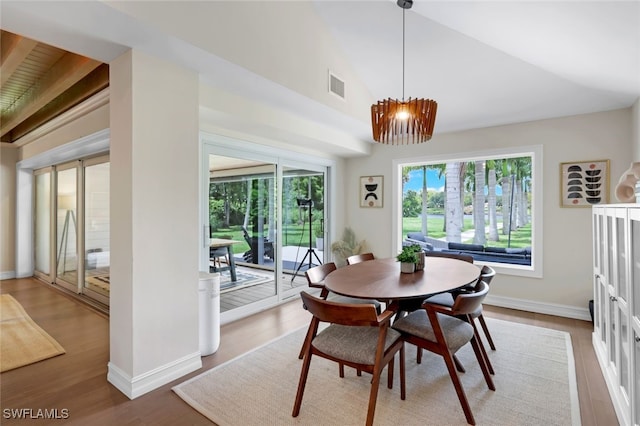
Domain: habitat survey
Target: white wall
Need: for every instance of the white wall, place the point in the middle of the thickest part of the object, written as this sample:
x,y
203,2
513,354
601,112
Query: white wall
x,y
635,113
567,257
154,223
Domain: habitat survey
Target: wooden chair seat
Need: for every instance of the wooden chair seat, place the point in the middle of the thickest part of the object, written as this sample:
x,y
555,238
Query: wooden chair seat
x,y
458,332
353,344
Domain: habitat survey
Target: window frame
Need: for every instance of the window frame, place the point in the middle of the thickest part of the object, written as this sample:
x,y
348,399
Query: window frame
x,y
535,270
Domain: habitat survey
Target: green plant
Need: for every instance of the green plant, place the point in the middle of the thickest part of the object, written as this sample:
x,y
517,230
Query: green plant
x,y
414,247
317,230
407,255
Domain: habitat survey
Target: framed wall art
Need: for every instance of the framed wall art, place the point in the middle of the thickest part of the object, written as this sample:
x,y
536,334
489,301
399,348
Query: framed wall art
x,y
584,183
371,191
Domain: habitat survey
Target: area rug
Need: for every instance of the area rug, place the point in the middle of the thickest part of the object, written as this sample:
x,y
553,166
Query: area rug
x,y
22,341
535,385
243,279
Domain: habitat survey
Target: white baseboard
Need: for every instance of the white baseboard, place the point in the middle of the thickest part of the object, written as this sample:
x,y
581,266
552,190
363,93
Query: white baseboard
x,y
539,307
134,387
7,275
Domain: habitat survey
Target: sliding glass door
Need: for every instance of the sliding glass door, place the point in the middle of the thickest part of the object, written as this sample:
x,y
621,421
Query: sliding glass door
x,y
242,224
42,224
270,212
67,226
303,223
71,227
96,282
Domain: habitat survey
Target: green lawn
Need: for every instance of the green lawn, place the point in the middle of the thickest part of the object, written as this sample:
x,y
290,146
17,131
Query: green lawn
x,y
293,234
519,238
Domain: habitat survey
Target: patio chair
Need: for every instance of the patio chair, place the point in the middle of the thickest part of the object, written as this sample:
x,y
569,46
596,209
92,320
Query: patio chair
x,y
251,255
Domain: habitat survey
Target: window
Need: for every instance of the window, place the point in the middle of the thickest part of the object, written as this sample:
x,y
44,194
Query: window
x,y
485,204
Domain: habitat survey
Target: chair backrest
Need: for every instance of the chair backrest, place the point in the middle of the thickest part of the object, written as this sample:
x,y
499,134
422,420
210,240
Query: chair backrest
x,y
357,258
487,273
246,236
464,257
360,314
467,303
316,275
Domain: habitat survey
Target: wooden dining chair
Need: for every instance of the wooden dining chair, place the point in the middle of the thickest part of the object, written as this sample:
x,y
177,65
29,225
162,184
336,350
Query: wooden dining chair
x,y
315,277
358,337
439,329
447,299
486,275
357,258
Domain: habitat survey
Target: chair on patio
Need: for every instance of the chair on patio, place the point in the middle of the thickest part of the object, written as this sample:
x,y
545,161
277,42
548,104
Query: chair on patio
x,y
357,337
439,329
251,255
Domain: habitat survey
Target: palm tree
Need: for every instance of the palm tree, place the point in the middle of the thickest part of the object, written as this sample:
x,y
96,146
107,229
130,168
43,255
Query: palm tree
x,y
478,204
491,200
405,173
453,207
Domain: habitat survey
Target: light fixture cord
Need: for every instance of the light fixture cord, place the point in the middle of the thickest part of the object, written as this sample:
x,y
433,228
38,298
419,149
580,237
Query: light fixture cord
x,y
403,11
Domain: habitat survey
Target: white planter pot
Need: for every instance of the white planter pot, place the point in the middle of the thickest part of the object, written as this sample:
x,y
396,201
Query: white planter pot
x,y
407,268
320,243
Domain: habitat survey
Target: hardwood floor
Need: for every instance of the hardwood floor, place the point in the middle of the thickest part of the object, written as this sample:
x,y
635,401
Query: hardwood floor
x,y
76,382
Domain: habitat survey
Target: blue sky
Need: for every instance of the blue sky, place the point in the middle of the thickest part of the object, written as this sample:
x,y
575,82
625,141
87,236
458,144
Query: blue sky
x,y
433,182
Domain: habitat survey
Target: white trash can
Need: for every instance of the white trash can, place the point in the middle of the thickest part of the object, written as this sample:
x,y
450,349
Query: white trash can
x,y
209,320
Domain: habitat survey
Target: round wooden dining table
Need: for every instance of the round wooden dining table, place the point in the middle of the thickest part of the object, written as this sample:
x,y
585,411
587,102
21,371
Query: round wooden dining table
x,y
381,279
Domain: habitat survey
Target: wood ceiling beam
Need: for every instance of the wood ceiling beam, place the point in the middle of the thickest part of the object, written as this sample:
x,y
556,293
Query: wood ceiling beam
x,y
65,73
14,49
96,81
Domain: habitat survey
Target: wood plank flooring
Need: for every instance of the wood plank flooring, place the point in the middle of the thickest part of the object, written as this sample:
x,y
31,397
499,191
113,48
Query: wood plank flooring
x,y
77,381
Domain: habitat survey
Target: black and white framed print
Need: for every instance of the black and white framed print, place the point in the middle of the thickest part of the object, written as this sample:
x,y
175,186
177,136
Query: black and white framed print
x,y
371,191
584,183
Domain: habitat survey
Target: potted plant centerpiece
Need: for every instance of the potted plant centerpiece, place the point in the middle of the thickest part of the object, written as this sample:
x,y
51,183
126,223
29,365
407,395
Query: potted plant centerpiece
x,y
420,254
408,259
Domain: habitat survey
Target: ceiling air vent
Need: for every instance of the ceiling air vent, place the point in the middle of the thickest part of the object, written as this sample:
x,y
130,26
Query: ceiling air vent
x,y
336,85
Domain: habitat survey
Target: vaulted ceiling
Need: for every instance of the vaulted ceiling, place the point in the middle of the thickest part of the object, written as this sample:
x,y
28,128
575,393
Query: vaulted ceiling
x,y
486,63
39,82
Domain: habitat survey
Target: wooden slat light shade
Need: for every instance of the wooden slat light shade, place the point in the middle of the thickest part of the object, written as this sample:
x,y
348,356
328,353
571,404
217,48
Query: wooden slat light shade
x,y
390,129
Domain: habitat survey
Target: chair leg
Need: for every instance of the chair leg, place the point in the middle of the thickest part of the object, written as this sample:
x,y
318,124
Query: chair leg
x,y
448,360
419,355
481,345
459,365
303,381
402,374
390,373
483,365
373,396
486,332
307,339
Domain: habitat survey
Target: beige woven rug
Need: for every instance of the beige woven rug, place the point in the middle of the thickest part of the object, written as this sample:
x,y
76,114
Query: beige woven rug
x,y
535,385
22,341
